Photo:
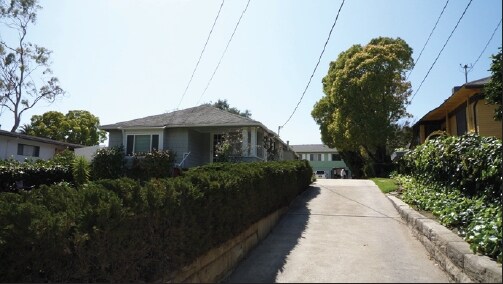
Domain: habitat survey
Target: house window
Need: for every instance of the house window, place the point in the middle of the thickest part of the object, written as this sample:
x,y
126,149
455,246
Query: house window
x,y
336,157
141,143
314,157
28,150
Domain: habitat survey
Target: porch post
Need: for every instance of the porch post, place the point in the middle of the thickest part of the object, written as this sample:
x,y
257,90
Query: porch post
x,y
253,145
244,143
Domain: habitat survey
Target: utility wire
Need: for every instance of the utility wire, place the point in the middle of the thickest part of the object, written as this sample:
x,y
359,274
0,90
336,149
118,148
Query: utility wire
x,y
315,67
426,43
431,67
201,55
225,51
485,46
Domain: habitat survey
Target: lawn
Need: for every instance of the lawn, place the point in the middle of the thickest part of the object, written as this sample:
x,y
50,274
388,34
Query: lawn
x,y
385,184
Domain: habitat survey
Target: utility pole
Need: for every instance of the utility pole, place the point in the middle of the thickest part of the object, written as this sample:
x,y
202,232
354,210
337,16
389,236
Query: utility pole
x,y
466,71
279,128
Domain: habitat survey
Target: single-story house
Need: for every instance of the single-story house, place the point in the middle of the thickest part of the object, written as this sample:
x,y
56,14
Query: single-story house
x,y
466,110
20,146
323,158
193,134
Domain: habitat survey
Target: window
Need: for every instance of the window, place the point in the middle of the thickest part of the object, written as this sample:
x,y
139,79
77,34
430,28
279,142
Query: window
x,y
336,157
141,143
28,150
314,157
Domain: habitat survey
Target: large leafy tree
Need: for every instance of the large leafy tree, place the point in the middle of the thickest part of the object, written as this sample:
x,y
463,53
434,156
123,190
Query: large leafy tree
x,y
224,105
494,89
77,126
365,96
21,62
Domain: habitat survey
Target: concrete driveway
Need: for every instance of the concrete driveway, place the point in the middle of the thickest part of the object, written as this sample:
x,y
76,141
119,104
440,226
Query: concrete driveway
x,y
339,231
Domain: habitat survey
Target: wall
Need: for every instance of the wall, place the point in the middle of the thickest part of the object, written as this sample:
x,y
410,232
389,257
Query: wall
x,y
115,138
199,148
486,124
177,140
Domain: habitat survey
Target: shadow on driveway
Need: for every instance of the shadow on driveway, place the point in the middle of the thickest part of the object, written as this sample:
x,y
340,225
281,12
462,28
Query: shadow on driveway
x,y
266,260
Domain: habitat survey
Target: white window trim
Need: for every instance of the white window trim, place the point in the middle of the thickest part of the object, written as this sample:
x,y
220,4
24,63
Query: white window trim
x,y
143,132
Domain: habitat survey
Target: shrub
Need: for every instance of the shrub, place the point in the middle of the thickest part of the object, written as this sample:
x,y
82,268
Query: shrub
x,y
470,163
80,171
156,164
108,163
15,175
120,230
475,219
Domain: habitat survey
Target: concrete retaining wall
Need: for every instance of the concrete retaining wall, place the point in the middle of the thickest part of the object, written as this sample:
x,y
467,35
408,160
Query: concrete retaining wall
x,y
218,262
450,251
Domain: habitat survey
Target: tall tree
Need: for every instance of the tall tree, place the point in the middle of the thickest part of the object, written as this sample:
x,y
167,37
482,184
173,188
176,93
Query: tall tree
x,y
365,96
22,61
77,126
224,105
494,89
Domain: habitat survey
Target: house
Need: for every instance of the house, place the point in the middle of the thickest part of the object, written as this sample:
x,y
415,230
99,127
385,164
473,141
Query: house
x,y
20,146
323,158
194,134
464,111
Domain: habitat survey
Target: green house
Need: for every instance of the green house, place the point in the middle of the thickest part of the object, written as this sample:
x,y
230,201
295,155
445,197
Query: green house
x,y
323,158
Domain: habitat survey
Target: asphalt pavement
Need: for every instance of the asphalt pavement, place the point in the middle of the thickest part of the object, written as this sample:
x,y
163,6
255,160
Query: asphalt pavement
x,y
339,231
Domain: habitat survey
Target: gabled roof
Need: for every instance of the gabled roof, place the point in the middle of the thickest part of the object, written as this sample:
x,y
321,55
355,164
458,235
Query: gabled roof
x,y
39,139
459,95
201,116
313,148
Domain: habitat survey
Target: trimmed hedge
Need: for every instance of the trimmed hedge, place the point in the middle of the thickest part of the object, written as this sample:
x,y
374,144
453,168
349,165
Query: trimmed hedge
x,y
120,230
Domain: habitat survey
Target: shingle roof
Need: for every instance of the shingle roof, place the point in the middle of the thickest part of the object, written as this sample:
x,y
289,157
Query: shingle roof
x,y
39,139
204,115
313,148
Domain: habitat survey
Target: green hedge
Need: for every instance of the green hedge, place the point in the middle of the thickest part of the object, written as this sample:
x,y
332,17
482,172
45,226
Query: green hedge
x,y
120,230
469,163
30,174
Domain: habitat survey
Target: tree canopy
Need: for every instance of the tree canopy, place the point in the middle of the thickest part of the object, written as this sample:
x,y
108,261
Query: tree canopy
x,y
21,62
365,96
77,126
224,105
493,90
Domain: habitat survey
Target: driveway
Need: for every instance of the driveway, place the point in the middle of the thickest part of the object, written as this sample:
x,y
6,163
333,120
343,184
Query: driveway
x,y
339,231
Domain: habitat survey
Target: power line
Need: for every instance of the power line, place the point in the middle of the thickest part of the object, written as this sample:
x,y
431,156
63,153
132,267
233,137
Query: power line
x,y
201,55
434,27
431,67
315,67
225,51
485,46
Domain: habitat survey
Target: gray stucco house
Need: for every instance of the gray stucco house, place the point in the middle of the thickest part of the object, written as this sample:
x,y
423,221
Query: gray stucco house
x,y
194,133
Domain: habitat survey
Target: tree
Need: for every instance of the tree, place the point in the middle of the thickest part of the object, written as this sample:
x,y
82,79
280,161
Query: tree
x,y
493,90
224,105
22,61
365,96
77,126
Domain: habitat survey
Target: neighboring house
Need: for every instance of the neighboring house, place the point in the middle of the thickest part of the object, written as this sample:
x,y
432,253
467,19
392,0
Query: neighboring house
x,y
464,111
323,158
20,146
194,133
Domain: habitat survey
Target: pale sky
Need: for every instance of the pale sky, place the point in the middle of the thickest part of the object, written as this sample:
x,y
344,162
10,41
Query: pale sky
x,y
123,60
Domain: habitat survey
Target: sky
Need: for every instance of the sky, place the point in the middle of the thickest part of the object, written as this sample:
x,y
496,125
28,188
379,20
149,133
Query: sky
x,y
127,59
